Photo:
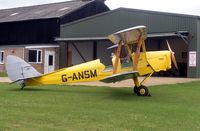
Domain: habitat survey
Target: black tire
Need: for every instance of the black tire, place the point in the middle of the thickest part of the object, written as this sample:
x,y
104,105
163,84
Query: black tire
x,y
135,89
142,91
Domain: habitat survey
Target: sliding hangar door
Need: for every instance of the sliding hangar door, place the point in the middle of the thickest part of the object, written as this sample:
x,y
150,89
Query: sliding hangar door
x,y
181,31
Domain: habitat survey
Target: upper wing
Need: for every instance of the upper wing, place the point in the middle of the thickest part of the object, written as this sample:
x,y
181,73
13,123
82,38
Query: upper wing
x,y
120,77
130,35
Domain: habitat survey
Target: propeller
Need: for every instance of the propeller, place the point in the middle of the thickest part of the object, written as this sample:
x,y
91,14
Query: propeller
x,y
172,55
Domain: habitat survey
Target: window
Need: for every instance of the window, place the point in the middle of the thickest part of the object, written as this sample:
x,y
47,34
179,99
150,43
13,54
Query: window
x,y
2,53
35,56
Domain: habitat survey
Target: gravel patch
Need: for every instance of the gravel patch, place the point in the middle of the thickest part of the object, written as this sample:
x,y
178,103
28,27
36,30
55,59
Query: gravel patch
x,y
150,82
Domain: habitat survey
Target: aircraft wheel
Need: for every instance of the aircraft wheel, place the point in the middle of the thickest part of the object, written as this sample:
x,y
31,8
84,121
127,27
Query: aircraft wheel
x,y
142,91
135,89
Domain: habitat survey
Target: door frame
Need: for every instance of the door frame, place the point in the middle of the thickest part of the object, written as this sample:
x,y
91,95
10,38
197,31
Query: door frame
x,y
46,61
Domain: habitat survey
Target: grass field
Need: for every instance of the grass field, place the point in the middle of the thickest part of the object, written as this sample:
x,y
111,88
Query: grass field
x,y
171,107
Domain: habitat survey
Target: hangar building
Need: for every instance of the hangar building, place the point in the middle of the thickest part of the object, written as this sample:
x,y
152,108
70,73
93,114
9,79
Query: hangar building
x,y
29,32
86,39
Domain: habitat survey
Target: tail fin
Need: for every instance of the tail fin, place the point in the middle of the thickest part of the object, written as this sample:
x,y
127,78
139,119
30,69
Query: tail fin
x,y
17,69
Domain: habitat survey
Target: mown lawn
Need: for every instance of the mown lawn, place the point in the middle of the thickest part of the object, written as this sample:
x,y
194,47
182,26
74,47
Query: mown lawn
x,y
171,107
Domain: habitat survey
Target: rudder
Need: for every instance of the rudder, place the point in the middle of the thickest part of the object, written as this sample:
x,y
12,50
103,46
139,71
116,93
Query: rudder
x,y
17,69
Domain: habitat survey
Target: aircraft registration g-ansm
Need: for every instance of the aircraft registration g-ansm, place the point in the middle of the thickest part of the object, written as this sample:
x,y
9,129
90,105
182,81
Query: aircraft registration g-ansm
x,y
139,62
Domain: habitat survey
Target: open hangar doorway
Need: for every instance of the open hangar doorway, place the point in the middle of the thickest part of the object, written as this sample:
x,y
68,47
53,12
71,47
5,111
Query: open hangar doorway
x,y
179,45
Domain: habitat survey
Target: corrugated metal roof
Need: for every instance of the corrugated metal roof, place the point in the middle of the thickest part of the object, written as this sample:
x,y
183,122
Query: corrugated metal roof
x,y
118,19
131,10
45,11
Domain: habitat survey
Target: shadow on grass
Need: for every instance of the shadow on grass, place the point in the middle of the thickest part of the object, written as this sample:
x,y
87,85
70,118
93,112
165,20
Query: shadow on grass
x,y
29,89
123,94
105,92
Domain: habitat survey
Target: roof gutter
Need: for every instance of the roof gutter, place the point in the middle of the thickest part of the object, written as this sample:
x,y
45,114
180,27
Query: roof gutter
x,y
81,39
151,35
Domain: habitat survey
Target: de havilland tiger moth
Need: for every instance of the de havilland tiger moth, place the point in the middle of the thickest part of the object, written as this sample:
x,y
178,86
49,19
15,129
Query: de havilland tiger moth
x,y
139,63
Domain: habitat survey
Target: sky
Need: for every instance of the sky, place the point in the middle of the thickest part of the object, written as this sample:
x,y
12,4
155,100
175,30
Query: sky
x,y
191,7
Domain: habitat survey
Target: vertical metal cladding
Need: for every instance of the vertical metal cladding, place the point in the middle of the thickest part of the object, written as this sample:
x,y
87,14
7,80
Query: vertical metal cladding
x,y
157,22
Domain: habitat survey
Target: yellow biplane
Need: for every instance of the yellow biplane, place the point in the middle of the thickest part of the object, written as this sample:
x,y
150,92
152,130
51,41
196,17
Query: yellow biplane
x,y
139,63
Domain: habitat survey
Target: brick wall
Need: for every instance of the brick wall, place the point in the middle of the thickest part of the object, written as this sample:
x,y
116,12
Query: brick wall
x,y
40,66
11,51
23,53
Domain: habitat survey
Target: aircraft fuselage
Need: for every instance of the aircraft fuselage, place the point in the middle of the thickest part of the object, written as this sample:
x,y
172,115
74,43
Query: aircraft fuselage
x,y
148,62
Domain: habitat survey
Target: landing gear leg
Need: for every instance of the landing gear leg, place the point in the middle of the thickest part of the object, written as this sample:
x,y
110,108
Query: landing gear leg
x,y
139,89
135,89
22,85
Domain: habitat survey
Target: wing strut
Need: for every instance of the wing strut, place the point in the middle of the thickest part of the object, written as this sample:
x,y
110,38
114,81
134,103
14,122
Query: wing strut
x,y
117,54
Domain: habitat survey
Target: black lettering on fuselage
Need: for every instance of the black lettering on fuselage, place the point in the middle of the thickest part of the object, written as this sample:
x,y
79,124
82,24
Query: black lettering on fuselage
x,y
74,77
80,75
64,78
93,74
87,74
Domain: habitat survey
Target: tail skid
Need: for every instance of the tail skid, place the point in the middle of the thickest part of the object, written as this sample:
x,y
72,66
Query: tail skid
x,y
18,70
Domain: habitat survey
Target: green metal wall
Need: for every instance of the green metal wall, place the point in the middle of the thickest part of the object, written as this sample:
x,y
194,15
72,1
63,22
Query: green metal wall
x,y
197,45
156,22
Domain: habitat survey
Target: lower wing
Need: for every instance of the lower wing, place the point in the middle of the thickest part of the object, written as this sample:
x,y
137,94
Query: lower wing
x,y
120,77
